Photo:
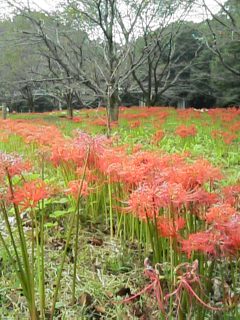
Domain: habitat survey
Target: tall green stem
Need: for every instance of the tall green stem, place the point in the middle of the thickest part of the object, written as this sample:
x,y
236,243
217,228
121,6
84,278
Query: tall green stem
x,y
110,207
23,245
69,234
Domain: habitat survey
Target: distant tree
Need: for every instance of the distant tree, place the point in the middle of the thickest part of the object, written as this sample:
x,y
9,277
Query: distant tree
x,y
185,59
201,92
224,43
20,63
94,43
224,29
169,60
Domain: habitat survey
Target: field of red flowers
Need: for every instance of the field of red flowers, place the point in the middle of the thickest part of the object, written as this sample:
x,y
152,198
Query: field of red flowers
x,y
142,224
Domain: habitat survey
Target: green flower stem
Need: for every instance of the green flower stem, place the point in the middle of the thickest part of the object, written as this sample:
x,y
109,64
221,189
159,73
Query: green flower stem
x,y
110,207
69,234
19,268
77,229
23,245
57,284
42,289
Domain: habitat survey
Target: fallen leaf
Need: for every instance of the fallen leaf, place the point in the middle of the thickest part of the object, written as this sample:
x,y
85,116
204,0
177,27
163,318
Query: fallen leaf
x,y
85,299
123,292
100,309
95,242
109,294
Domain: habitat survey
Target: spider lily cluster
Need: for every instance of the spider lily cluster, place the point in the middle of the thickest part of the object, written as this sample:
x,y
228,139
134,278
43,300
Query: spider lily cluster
x,y
175,205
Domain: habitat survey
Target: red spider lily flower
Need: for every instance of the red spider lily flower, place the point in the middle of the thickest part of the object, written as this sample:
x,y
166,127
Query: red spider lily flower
x,y
28,195
220,213
13,164
138,115
103,123
75,186
190,176
185,114
137,148
170,227
122,108
184,131
114,124
147,199
39,132
149,166
229,116
232,195
216,134
175,194
157,124
4,136
228,138
96,146
202,202
66,152
76,150
162,115
124,168
235,127
208,241
90,176
77,119
202,172
110,163
100,122
135,124
231,232
234,240
144,202
142,163
206,199
157,137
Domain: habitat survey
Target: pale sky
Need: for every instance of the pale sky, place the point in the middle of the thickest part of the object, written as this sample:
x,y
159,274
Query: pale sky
x,y
197,14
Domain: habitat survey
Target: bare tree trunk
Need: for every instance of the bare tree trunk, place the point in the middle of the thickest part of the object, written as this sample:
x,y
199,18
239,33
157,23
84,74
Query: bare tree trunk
x,y
31,104
149,99
69,101
4,111
59,105
112,105
70,112
28,95
114,108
